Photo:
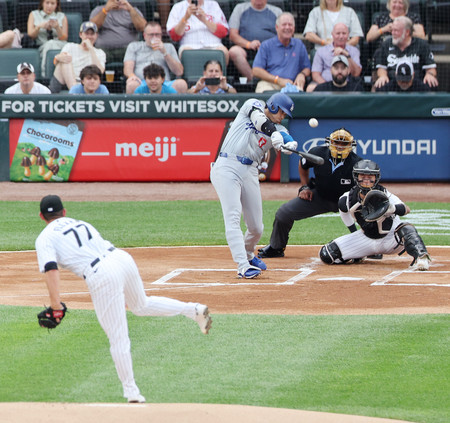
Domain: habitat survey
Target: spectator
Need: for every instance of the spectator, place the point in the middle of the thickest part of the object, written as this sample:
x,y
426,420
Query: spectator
x,y
282,59
74,57
48,26
322,18
152,50
321,66
340,71
403,46
119,24
404,80
10,39
382,26
90,77
27,84
198,24
251,23
213,81
154,83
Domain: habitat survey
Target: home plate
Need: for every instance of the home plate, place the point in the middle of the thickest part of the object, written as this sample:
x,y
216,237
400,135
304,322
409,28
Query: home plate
x,y
341,278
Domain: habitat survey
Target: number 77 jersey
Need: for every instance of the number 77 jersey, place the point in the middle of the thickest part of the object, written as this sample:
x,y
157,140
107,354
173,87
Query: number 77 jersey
x,y
71,244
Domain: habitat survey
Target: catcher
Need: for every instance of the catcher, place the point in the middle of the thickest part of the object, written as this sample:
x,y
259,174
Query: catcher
x,y
377,212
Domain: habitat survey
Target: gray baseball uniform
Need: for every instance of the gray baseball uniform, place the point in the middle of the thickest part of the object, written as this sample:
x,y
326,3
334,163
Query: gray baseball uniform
x,y
235,179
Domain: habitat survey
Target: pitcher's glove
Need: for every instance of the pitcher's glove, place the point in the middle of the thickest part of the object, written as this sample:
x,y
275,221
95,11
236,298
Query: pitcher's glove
x,y
50,318
376,206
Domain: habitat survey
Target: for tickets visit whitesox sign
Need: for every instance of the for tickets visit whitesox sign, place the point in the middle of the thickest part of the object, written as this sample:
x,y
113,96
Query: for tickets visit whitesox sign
x,y
116,150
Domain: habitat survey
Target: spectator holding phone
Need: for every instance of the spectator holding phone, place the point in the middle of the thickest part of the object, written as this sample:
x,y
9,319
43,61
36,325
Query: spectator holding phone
x,y
48,27
213,81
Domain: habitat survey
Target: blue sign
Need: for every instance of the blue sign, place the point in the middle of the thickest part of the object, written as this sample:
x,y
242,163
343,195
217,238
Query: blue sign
x,y
405,150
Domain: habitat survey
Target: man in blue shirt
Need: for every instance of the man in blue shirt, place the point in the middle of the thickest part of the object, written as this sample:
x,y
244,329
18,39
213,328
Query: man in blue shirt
x,y
90,77
154,83
282,60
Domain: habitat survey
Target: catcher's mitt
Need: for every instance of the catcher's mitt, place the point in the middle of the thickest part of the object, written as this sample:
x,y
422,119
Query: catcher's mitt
x,y
375,206
48,318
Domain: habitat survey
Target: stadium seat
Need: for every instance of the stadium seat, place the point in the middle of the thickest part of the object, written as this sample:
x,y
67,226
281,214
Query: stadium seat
x,y
21,11
10,58
194,60
74,21
49,66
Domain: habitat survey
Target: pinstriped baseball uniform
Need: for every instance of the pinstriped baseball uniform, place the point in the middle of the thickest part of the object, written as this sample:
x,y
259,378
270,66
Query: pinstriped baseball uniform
x,y
373,237
113,280
237,184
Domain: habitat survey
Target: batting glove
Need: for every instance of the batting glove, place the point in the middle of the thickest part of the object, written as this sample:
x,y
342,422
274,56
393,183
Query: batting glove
x,y
292,145
277,140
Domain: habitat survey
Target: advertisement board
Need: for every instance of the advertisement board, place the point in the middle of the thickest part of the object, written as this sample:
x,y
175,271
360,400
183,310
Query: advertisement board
x,y
405,150
119,150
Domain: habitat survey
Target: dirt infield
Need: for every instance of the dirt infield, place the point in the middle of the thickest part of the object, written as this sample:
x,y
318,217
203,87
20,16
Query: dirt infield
x,y
296,284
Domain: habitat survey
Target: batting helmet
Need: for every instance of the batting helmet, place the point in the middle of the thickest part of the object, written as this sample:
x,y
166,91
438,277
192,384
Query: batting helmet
x,y
366,167
340,143
280,101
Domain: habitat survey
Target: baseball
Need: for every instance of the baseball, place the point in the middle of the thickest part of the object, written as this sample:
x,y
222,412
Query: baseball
x,y
313,123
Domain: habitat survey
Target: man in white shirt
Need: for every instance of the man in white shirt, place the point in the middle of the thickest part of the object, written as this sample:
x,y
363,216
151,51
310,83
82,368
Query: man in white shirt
x,y
27,84
74,57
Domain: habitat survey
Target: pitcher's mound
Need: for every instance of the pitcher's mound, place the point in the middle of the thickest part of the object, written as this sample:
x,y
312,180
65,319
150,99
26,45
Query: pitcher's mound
x,y
168,413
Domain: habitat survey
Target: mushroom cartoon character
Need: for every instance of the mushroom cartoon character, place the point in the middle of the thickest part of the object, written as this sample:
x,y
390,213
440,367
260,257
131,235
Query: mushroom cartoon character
x,y
52,155
41,163
26,163
52,170
35,153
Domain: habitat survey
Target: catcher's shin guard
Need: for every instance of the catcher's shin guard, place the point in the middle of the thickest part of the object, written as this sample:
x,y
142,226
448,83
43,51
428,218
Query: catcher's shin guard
x,y
407,235
330,253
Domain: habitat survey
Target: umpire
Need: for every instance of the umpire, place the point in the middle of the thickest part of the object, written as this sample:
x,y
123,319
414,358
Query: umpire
x,y
316,195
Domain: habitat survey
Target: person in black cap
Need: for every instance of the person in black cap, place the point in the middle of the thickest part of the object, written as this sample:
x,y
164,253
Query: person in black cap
x,y
113,281
74,57
27,81
340,77
404,80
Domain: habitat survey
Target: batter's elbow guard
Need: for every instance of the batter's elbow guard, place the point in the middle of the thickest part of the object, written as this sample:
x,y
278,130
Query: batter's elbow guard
x,y
261,122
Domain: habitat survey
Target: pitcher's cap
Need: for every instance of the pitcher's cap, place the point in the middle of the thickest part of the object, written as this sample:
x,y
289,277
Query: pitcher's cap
x,y
51,204
22,66
88,25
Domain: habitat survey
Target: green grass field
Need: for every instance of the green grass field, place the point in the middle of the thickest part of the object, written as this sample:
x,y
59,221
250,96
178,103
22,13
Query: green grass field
x,y
393,366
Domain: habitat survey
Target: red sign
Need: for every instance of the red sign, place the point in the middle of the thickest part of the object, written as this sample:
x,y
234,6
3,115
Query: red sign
x,y
145,149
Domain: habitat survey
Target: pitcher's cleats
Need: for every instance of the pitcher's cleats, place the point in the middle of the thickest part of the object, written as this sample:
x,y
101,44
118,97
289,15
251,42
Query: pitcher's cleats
x,y
203,318
139,399
250,273
269,252
257,262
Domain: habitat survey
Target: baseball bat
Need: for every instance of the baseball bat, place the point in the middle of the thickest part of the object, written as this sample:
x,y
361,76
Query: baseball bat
x,y
310,157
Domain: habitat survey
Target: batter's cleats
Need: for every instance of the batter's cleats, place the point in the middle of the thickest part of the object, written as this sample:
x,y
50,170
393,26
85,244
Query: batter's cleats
x,y
139,399
250,273
257,262
203,318
269,252
422,263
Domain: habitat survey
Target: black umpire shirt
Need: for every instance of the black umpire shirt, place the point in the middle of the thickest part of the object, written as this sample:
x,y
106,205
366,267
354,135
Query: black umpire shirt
x,y
331,181
351,85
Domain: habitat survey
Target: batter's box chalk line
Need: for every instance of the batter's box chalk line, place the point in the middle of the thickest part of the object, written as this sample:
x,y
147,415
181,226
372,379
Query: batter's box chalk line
x,y
387,280
166,280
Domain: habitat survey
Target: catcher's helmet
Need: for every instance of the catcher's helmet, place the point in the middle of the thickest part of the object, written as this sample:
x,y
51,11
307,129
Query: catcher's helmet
x,y
340,143
366,167
280,101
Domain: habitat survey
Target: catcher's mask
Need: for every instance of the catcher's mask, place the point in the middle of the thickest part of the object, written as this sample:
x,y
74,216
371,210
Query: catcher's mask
x,y
340,143
366,167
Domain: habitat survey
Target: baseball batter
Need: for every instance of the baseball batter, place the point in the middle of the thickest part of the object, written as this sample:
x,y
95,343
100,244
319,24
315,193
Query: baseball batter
x,y
383,232
113,280
255,130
